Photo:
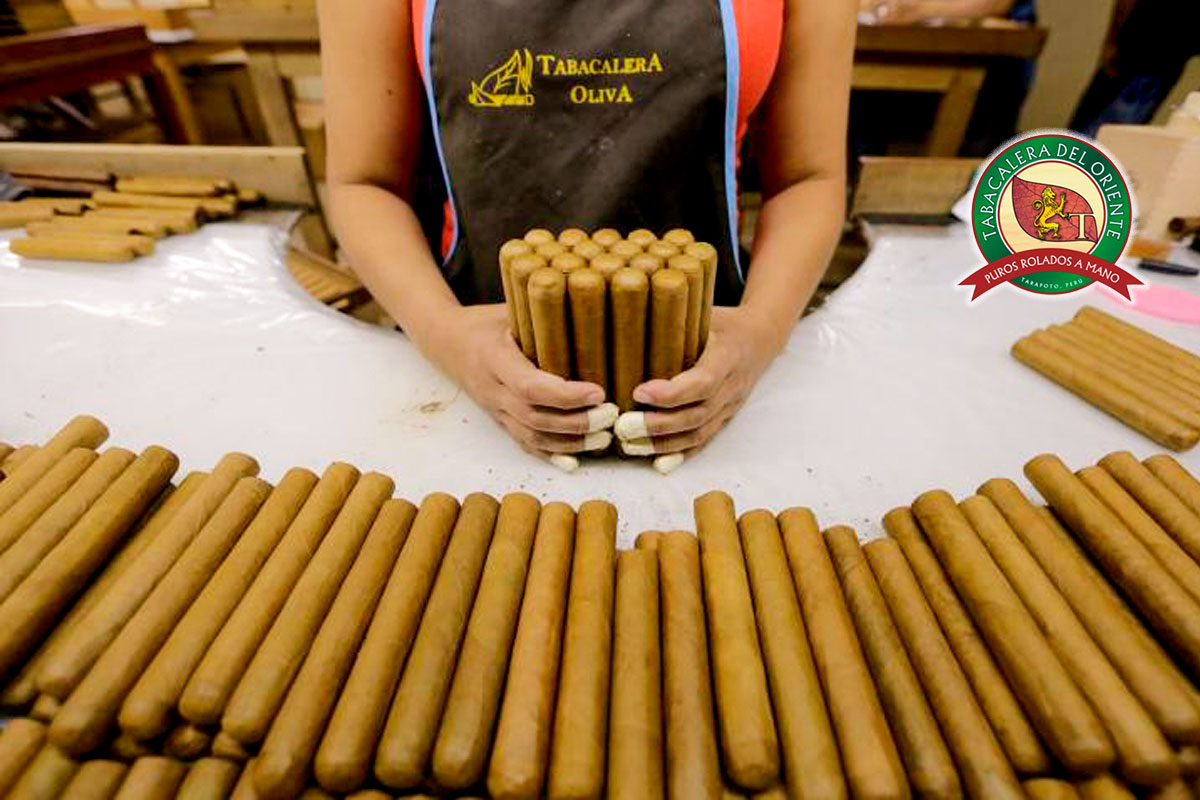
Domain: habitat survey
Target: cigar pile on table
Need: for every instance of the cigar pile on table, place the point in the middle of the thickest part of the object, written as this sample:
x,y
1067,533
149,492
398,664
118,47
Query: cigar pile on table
x,y
321,637
121,223
1148,383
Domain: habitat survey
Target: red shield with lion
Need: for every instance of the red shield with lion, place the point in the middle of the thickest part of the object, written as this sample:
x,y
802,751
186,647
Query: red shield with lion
x,y
1052,213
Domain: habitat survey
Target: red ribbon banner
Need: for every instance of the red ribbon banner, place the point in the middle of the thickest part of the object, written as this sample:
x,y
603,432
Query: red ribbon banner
x,y
1050,259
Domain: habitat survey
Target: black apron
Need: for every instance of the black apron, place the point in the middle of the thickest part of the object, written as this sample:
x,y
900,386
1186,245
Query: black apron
x,y
582,113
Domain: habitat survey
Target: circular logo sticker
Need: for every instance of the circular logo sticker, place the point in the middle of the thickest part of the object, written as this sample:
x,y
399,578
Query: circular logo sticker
x,y
1051,214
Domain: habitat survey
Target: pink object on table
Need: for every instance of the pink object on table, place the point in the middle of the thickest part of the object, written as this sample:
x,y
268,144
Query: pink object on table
x,y
1165,302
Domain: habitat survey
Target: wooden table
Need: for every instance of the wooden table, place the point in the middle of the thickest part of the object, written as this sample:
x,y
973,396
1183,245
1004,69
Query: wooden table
x,y
58,62
948,60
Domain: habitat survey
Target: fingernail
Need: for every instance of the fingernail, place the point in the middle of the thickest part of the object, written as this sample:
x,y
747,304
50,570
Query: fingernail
x,y
600,440
641,395
668,463
565,462
595,396
602,417
631,425
637,447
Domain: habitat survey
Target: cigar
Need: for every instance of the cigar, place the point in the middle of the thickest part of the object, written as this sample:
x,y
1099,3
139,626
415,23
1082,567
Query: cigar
x,y
20,741
648,540
44,708
1186,362
566,263
1103,787
100,779
668,324
606,264
521,268
1165,507
547,308
1189,762
209,778
72,249
19,214
82,431
88,224
606,237
43,494
588,295
211,206
587,250
1126,350
630,296
679,237
15,459
1182,483
175,185
647,263
127,749
175,220
551,250
625,249
663,250
152,778
1049,789
539,236
691,267
508,251
642,238
572,236
47,775
141,245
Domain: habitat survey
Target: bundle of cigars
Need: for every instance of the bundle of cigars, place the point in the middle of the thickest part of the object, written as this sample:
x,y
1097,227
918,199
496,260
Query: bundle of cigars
x,y
610,310
1146,382
123,222
320,637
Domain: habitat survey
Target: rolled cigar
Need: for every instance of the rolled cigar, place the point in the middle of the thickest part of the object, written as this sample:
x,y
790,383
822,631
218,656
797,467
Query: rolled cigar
x,y
1176,790
15,459
82,431
551,250
1188,360
209,778
1049,789
127,749
96,780
522,744
146,712
465,734
1119,356
1163,365
48,529
648,540
587,250
606,237
44,708
872,764
49,488
924,753
244,788
1147,671
63,205
141,245
693,270
647,263
630,298
1172,475
174,220
411,730
1162,601
1189,761
20,741
32,608
588,294
635,735
539,236
508,251
92,708
63,671
566,263
175,185
642,238
87,225
668,323
5,450
226,747
810,757
572,236
152,778
663,250
693,762
1164,506
208,689
262,688
520,269
284,762
344,758
1103,787
19,214
186,742
211,206
1105,395
47,776
1143,755
1174,559
625,249
548,311
679,237
749,746
577,753
1055,704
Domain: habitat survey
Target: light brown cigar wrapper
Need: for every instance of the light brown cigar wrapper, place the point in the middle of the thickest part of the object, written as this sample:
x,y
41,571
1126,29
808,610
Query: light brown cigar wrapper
x,y
548,311
91,709
176,220
588,250
262,688
1049,789
46,776
577,753
648,540
568,262
244,788
606,237
63,205
985,770
1117,354
44,708
746,725
344,758
465,733
148,709
208,689
1103,787
691,267
1161,503
606,264
642,237
209,779
630,298
644,262
1143,755
1185,486
63,671
174,185
572,236
663,250
871,762
1089,314
20,741
411,730
693,763
1105,395
42,495
22,689
1189,761
1162,601
152,778
809,752
668,323
88,225
1103,484
539,236
186,742
925,755
96,780
520,753
284,762
53,524
1146,669
1056,706
588,295
680,237
626,249
635,733
15,459
226,747
27,613
1176,790
127,749
550,250
211,206
139,244
508,251
19,215
5,451
82,431
1163,365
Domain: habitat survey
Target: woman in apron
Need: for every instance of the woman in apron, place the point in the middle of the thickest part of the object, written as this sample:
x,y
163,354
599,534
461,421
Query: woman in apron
x,y
617,113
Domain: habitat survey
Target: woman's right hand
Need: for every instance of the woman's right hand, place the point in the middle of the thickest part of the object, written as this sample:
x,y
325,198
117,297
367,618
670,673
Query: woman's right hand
x,y
546,414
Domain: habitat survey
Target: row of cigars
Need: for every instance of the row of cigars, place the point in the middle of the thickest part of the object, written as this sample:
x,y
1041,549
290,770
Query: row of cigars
x,y
327,637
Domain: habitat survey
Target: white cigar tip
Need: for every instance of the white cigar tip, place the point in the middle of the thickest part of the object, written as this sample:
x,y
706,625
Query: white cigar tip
x,y
602,417
600,440
565,462
637,447
668,463
631,425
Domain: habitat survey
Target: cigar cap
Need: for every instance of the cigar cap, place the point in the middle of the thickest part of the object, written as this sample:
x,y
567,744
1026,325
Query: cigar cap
x,y
513,248
547,282
642,237
629,279
527,264
606,237
539,236
663,250
669,280
646,263
625,249
568,262
585,279
607,263
587,250
550,249
703,251
570,237
680,237
685,264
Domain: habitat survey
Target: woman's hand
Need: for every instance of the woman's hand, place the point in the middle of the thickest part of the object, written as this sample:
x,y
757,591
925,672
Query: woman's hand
x,y
696,404
544,413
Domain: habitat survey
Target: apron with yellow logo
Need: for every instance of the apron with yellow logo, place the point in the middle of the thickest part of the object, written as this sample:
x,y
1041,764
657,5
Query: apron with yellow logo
x,y
582,113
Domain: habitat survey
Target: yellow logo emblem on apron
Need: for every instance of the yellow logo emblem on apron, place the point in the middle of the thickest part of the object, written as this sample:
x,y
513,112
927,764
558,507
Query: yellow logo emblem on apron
x,y
507,85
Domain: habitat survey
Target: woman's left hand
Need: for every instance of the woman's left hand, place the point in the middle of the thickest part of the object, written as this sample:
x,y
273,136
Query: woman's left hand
x,y
688,410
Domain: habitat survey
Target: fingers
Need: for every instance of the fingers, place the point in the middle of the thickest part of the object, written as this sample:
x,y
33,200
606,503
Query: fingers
x,y
676,442
695,385
550,420
542,443
642,424
540,388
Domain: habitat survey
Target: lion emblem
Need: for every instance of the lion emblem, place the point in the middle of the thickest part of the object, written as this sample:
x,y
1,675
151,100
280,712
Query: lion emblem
x,y
1048,208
